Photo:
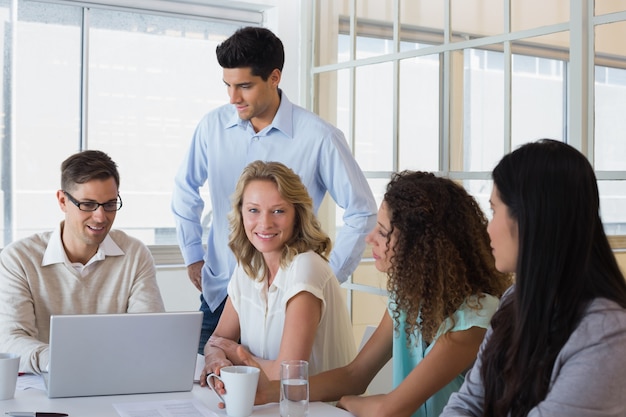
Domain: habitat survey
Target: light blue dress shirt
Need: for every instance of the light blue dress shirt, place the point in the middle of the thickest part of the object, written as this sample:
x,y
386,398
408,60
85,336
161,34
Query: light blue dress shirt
x,y
223,145
406,358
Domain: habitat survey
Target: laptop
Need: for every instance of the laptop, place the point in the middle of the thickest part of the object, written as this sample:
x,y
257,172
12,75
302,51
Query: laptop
x,y
133,353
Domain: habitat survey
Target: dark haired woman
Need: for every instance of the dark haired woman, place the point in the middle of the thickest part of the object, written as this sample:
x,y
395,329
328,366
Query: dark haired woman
x,y
558,342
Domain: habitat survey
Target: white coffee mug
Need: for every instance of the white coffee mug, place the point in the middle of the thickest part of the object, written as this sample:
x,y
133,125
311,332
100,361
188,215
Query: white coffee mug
x,y
9,366
240,383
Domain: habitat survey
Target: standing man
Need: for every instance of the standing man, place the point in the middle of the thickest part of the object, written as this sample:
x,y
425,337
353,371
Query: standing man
x,y
260,123
82,267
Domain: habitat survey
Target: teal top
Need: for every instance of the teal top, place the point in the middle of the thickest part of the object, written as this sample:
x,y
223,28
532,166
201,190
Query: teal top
x,y
406,358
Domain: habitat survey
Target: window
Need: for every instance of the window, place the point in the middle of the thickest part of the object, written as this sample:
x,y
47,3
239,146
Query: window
x,y
416,90
452,86
128,83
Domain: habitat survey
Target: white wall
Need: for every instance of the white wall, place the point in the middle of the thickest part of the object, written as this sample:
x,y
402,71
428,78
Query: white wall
x,y
178,292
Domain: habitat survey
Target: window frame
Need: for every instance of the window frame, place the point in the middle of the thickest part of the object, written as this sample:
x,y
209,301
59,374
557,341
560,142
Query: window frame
x,y
579,72
580,66
243,13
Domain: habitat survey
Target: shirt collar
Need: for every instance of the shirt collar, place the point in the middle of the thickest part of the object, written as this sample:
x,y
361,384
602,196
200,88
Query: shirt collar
x,y
283,119
55,253
278,283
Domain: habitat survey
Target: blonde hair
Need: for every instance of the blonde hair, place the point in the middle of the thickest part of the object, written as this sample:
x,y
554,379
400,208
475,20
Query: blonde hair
x,y
307,234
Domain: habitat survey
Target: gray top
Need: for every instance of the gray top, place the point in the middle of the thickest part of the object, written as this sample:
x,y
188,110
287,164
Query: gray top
x,y
589,375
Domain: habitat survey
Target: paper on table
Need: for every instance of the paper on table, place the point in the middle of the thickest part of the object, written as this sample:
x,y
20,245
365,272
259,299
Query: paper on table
x,y
27,381
199,368
171,408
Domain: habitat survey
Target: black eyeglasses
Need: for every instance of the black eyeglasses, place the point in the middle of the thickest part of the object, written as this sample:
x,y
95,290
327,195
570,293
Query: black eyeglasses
x,y
93,205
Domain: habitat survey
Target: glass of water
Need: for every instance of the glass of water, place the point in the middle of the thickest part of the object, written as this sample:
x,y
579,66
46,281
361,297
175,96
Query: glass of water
x,y
294,388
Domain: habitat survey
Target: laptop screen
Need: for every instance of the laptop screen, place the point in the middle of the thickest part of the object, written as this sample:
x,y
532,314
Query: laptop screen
x,y
110,354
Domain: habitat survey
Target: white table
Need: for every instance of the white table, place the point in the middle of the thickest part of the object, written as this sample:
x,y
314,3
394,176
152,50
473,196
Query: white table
x,y
37,400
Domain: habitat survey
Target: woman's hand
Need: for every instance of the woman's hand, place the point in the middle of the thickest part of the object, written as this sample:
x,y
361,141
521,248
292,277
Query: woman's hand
x,y
214,360
228,346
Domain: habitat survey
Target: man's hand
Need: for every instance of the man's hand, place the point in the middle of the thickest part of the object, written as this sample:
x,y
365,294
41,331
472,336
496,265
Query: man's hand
x,y
195,274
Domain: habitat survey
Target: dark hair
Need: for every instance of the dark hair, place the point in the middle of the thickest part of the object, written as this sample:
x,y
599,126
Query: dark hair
x,y
442,255
253,47
85,166
564,262
307,230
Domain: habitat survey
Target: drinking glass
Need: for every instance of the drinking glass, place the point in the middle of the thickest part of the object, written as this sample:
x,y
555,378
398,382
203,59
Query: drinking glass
x,y
294,388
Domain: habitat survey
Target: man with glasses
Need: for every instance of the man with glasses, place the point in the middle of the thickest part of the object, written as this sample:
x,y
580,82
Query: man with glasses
x,y
82,267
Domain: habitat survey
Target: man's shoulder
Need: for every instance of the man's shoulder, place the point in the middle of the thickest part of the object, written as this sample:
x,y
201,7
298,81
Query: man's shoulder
x,y
308,119
125,241
316,131
32,244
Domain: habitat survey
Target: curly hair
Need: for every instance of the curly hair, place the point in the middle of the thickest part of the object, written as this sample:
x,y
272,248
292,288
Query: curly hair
x,y
442,255
307,234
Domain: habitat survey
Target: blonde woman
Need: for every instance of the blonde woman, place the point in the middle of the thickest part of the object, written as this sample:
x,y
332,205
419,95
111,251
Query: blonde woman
x,y
284,302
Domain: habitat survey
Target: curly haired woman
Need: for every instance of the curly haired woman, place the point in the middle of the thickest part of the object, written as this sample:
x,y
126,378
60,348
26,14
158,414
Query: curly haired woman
x,y
431,240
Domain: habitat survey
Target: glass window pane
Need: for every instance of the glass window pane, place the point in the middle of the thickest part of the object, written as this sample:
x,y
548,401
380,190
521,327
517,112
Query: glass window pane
x,y
419,114
374,118
610,124
476,18
151,80
483,117
369,46
378,187
343,48
530,14
553,45
610,96
481,191
333,99
613,206
342,118
421,24
332,21
609,6
47,110
426,15
537,109
374,20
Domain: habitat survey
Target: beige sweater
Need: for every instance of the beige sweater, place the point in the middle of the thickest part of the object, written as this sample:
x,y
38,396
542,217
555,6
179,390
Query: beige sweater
x,y
31,292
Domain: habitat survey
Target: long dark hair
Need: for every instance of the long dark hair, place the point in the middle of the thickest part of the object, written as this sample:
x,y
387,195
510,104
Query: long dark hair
x,y
564,262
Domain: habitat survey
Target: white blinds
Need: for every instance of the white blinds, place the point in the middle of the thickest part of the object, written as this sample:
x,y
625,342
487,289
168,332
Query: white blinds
x,y
235,11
